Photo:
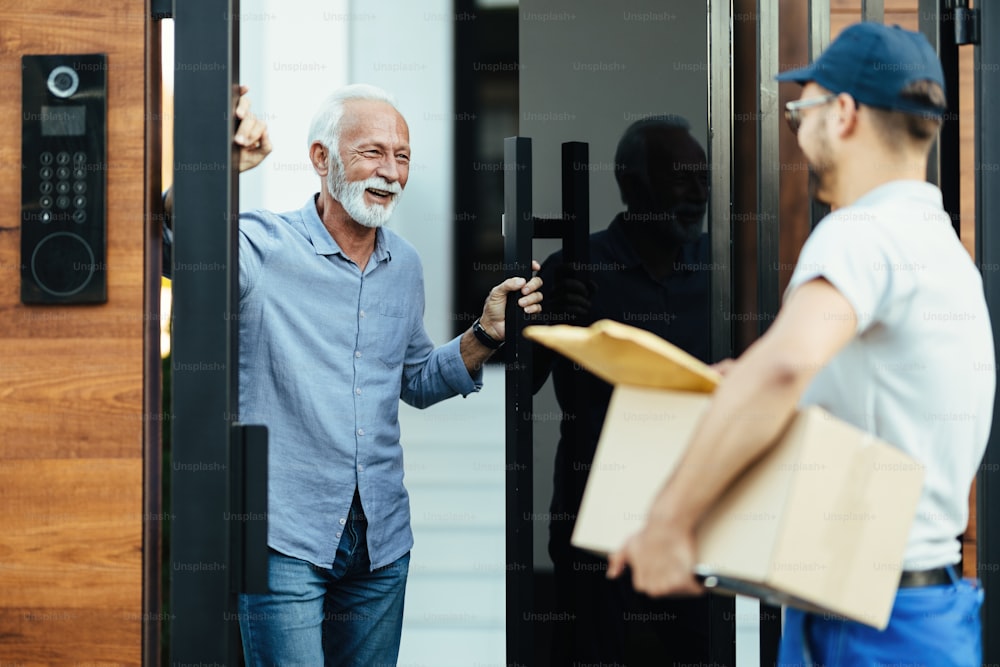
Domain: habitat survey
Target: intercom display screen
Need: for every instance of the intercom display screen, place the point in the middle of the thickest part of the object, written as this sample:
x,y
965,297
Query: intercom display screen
x,y
63,121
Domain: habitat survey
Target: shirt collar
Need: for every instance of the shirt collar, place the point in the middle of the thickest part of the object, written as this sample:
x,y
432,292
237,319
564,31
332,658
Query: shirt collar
x,y
917,192
688,259
620,246
322,241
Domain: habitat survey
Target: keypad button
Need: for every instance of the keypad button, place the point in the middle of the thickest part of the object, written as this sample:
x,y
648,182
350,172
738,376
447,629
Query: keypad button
x,y
79,173
62,187
45,202
46,157
62,157
79,216
45,188
62,172
62,202
79,157
46,216
79,201
46,173
79,187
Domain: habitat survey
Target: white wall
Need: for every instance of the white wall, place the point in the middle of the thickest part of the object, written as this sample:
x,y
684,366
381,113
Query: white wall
x,y
406,48
294,54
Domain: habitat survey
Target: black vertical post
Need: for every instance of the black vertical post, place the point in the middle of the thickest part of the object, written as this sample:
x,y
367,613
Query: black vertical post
x,y
931,29
819,39
987,82
769,122
873,11
768,163
576,204
949,144
722,609
518,230
720,152
203,614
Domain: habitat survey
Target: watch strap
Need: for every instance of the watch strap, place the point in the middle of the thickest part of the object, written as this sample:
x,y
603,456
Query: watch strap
x,y
484,338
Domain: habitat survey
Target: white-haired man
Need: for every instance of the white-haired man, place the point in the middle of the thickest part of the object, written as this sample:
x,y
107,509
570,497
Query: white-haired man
x,y
331,337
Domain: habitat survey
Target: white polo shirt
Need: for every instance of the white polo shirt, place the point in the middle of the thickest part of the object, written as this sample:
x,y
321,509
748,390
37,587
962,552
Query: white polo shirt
x,y
920,373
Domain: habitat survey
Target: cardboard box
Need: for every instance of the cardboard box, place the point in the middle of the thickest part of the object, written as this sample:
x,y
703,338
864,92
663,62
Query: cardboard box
x,y
820,522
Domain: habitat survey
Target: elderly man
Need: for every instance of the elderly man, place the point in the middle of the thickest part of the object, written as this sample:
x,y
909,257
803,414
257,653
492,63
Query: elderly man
x,y
884,323
331,337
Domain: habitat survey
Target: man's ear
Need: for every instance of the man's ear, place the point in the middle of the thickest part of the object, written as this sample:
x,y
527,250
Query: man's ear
x,y
320,158
846,119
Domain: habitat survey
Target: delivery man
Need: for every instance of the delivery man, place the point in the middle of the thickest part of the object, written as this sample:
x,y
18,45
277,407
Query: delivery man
x,y
884,324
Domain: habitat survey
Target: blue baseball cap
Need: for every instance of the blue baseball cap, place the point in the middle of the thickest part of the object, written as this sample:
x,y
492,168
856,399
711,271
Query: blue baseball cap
x,y
874,63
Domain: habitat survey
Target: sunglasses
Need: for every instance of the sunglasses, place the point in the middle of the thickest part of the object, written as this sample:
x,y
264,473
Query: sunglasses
x,y
793,110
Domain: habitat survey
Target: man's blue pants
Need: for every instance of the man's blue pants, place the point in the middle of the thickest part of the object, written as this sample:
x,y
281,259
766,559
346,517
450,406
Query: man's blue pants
x,y
930,626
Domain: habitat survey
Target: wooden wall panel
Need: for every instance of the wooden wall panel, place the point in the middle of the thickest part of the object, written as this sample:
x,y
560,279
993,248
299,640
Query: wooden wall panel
x,y
71,411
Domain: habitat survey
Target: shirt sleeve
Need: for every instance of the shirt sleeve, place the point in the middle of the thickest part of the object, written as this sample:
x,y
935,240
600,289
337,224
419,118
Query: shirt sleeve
x,y
848,251
256,239
433,374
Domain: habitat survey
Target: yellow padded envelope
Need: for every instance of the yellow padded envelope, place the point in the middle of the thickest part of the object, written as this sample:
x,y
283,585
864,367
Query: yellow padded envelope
x,y
621,354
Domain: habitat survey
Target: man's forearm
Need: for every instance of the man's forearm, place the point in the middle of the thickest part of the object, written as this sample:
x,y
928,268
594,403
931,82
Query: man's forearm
x,y
751,408
757,399
474,354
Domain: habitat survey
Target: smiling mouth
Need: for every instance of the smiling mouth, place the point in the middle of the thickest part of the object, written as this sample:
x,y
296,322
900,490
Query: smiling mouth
x,y
379,194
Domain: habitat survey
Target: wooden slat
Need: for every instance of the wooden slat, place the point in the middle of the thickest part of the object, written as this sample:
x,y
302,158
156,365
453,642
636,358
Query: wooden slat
x,y
71,411
70,398
854,6
71,532
969,539
39,638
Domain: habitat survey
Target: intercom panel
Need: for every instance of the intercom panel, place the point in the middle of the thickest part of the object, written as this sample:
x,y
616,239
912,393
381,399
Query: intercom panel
x,y
64,178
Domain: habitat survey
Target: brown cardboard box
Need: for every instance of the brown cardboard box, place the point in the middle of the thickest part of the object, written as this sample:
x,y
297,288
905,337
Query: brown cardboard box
x,y
820,522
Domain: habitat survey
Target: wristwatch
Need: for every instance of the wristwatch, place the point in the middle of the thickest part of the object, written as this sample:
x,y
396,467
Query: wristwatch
x,y
484,338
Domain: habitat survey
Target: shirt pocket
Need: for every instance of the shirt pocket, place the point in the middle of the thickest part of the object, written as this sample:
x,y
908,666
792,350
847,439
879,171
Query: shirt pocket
x,y
394,332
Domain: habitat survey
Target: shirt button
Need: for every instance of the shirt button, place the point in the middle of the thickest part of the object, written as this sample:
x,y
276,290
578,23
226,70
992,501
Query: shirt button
x,y
343,521
361,468
358,391
357,354
361,431
338,533
361,313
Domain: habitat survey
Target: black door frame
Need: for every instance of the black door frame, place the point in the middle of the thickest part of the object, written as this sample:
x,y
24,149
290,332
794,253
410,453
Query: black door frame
x,y
206,363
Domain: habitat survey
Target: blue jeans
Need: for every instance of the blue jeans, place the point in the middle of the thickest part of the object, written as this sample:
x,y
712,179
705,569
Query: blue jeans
x,y
316,616
932,626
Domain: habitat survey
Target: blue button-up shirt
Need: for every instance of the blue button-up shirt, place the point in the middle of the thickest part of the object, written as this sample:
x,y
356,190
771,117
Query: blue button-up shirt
x,y
326,352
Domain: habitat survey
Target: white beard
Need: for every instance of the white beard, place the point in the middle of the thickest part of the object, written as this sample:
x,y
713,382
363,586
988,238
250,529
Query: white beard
x,y
351,195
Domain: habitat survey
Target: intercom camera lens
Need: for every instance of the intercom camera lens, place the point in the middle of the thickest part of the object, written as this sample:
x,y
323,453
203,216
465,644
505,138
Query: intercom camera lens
x,y
63,81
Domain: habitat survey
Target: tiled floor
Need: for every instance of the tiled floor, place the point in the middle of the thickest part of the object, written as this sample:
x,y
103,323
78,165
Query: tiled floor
x,y
454,457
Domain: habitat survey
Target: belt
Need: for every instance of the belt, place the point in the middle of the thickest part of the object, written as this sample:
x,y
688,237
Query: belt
x,y
939,576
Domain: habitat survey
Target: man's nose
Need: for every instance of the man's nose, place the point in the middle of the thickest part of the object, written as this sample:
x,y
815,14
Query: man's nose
x,y
388,169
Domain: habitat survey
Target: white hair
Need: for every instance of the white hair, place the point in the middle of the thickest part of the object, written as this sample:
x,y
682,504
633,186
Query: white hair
x,y
325,126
